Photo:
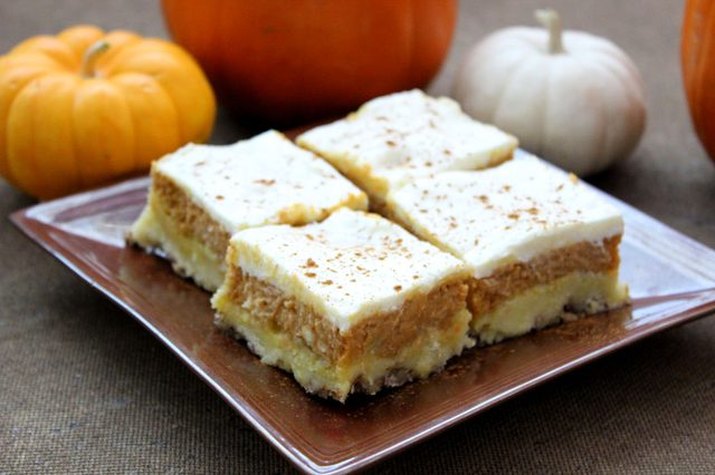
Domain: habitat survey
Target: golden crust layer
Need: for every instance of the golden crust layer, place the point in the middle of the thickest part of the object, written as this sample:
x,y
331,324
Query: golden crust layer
x,y
190,219
508,281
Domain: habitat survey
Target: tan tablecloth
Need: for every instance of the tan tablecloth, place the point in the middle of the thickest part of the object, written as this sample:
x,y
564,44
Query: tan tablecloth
x,y
83,388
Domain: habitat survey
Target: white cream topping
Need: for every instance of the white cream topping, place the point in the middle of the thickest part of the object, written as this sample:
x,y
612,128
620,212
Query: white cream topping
x,y
351,265
409,134
512,212
265,179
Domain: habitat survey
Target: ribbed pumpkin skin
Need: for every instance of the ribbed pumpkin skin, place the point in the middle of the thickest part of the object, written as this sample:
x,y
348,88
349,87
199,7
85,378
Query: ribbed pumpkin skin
x,y
288,62
61,132
698,64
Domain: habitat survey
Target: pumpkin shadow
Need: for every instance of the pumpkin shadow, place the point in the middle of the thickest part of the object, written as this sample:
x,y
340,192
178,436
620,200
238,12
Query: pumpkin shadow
x,y
230,128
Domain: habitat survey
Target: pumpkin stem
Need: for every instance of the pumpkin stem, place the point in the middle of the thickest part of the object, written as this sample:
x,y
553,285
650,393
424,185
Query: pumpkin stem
x,y
552,22
89,60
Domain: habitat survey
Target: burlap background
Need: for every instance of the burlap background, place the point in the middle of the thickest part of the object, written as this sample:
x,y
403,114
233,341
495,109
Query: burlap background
x,y
83,388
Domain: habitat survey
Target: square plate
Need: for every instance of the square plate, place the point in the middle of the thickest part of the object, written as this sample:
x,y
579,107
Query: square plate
x,y
672,281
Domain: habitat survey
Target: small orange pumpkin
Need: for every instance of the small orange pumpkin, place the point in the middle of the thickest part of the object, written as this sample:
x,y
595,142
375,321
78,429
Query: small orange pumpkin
x,y
698,64
84,107
289,62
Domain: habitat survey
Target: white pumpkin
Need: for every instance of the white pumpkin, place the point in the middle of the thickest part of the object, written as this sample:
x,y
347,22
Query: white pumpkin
x,y
572,98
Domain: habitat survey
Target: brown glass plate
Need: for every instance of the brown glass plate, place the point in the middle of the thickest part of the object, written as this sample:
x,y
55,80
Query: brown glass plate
x,y
672,281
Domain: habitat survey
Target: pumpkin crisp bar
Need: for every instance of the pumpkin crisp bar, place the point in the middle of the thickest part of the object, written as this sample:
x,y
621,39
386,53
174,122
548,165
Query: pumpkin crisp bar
x,y
351,304
395,138
203,194
543,247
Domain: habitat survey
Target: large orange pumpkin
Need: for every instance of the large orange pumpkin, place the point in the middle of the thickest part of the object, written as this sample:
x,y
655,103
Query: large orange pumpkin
x,y
84,107
698,63
289,61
